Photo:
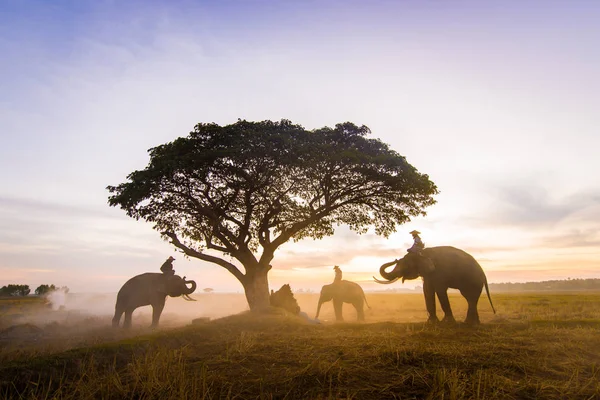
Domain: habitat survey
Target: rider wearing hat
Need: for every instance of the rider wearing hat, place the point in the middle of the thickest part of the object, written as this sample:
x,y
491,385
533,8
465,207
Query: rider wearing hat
x,y
167,267
338,274
418,245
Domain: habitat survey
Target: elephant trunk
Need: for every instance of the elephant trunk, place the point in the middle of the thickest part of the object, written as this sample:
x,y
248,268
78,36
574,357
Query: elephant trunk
x,y
319,307
186,295
389,277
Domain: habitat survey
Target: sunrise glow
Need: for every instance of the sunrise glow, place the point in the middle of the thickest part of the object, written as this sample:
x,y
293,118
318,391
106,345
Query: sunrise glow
x,y
501,116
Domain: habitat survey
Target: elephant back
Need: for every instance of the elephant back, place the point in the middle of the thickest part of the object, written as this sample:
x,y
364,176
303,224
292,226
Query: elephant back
x,y
350,291
143,280
456,264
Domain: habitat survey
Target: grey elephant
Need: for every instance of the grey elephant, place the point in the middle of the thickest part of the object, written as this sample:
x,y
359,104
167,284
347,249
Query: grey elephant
x,y
343,292
149,289
441,268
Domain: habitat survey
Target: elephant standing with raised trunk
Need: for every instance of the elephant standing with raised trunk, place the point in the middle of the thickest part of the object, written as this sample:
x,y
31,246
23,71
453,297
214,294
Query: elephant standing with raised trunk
x,y
442,268
343,292
149,289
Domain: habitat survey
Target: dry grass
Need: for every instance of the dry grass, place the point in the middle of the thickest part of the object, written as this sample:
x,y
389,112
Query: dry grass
x,y
537,347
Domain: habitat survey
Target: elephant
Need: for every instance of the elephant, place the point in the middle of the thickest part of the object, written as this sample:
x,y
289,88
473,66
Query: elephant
x,y
441,268
343,292
149,289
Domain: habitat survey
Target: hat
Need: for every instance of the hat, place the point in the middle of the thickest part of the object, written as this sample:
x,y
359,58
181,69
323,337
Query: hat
x,y
336,267
415,232
171,258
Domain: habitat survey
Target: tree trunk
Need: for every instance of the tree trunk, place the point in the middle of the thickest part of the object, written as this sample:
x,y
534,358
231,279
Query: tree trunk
x,y
256,287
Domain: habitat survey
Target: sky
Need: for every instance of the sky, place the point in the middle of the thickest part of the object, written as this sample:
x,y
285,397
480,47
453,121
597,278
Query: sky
x,y
496,101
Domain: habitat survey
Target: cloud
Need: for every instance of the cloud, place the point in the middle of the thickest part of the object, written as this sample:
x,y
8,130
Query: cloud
x,y
35,208
530,204
119,278
339,249
66,244
576,238
27,225
11,275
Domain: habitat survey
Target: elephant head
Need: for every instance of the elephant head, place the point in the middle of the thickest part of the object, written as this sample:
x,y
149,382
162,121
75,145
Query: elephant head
x,y
411,266
176,286
327,293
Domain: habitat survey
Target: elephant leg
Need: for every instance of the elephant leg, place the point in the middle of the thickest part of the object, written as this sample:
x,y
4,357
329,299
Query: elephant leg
x,y
430,301
337,307
472,300
157,309
117,318
127,322
360,311
445,303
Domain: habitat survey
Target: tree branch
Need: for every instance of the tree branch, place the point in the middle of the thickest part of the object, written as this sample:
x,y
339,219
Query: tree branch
x,y
205,257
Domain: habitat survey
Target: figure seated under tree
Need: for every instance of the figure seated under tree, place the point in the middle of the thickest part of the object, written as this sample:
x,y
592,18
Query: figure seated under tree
x,y
284,298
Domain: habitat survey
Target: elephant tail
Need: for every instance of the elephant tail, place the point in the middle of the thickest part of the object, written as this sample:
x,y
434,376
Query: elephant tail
x,y
487,290
365,297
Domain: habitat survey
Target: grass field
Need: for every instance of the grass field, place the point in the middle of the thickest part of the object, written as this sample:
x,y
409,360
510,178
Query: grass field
x,y
538,346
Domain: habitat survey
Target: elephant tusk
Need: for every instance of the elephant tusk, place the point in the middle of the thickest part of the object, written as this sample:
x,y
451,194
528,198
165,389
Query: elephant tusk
x,y
386,282
187,297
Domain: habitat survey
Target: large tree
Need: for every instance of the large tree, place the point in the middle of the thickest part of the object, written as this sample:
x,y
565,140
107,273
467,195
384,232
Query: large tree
x,y
232,195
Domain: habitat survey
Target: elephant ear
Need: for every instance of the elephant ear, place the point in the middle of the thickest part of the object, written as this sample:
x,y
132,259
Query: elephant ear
x,y
174,286
425,266
162,287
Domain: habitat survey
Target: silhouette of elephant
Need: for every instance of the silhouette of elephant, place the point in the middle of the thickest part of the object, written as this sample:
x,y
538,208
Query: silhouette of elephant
x,y
149,289
343,292
441,268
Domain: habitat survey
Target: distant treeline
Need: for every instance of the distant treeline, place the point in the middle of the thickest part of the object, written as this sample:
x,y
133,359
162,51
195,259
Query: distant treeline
x,y
23,290
569,284
15,290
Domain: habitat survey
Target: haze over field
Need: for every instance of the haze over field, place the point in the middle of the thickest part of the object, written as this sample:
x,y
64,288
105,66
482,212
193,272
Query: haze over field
x,y
497,103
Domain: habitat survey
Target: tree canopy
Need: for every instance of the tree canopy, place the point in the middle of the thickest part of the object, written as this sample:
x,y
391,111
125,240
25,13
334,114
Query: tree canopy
x,y
15,290
244,189
45,289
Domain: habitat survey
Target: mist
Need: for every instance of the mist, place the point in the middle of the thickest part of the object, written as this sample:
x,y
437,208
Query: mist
x,y
66,308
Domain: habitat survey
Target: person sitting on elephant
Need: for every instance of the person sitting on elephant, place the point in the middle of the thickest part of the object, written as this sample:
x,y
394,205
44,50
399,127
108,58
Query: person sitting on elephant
x,y
338,274
167,267
418,244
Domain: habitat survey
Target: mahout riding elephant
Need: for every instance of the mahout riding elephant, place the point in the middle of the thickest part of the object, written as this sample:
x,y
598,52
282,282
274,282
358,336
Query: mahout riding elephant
x,y
149,289
441,268
343,292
